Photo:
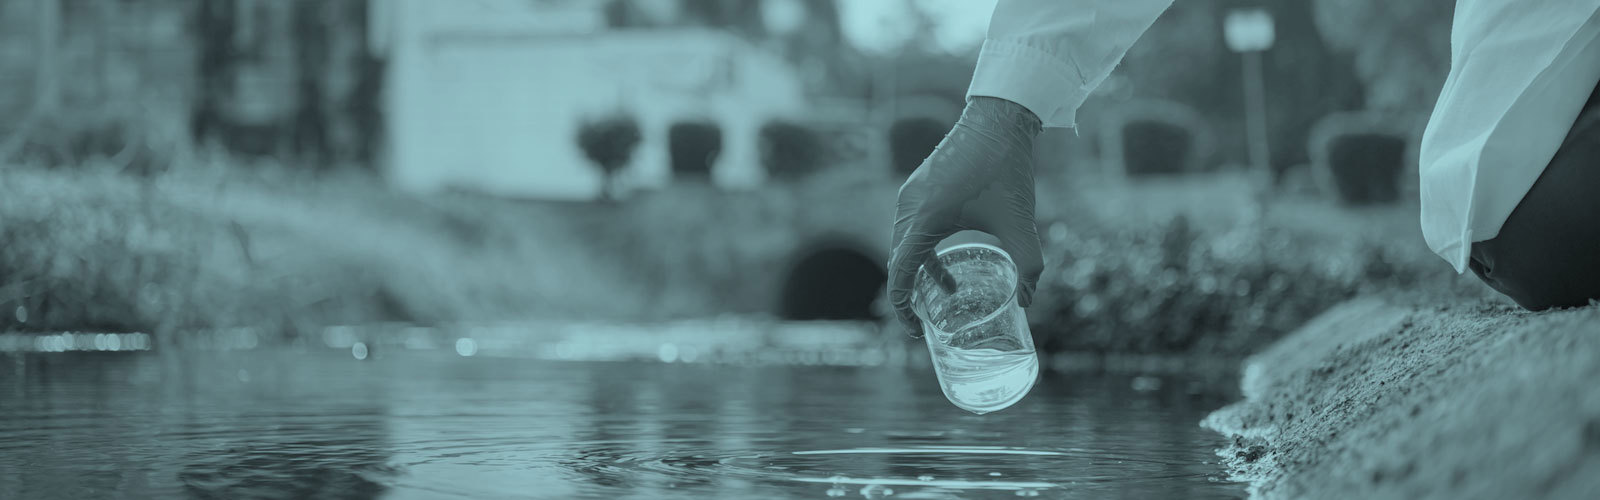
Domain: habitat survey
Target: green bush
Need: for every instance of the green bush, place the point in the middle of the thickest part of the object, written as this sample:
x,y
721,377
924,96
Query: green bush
x,y
283,252
609,143
1177,289
1366,167
790,151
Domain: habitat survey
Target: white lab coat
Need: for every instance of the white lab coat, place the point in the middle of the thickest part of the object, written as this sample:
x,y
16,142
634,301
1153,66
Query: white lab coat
x,y
1519,74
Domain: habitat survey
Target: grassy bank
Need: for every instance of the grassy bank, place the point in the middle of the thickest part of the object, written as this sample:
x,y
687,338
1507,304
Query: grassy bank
x,y
203,246
1205,265
1197,265
209,245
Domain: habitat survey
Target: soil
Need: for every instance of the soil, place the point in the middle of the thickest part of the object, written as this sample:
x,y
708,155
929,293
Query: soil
x,y
1394,397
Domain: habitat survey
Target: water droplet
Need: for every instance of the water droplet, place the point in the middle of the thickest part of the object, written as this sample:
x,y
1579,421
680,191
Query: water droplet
x,y
1146,383
151,294
359,350
1058,232
876,490
466,347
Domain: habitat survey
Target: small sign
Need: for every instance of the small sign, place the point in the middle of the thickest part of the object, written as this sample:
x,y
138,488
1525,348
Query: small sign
x,y
1248,30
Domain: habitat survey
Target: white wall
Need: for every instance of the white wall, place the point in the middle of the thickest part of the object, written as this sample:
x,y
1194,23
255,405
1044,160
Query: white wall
x,y
487,100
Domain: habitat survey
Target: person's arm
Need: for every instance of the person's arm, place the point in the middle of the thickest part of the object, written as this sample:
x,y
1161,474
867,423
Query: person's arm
x,y
1048,55
1039,62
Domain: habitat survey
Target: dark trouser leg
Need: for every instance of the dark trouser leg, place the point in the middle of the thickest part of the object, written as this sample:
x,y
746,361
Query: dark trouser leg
x,y
1548,252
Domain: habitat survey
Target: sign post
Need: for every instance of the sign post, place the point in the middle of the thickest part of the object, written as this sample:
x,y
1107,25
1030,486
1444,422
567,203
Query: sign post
x,y
1250,32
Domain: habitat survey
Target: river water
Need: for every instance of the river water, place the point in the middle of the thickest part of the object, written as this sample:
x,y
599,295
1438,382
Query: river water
x,y
435,424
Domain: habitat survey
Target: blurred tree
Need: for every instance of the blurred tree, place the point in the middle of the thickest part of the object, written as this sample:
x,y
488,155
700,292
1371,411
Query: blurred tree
x,y
47,88
43,103
628,14
311,50
1151,147
740,16
1401,50
214,23
912,140
609,143
1367,167
818,49
1306,80
1182,58
361,105
293,77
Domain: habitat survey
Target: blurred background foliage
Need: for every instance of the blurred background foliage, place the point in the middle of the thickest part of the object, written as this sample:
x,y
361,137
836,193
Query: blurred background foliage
x,y
191,165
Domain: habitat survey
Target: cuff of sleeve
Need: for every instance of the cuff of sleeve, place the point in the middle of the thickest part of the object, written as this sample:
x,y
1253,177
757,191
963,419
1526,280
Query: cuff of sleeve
x,y
1050,87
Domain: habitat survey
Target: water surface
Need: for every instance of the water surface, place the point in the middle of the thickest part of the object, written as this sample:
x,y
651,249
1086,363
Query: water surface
x,y
433,424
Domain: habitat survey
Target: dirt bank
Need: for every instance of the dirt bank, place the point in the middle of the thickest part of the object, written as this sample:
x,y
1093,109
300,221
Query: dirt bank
x,y
1390,398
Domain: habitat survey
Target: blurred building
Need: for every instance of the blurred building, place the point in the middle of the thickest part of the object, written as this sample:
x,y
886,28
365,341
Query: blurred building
x,y
288,79
489,96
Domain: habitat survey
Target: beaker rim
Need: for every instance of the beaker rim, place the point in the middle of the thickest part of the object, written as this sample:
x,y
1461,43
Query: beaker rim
x,y
920,310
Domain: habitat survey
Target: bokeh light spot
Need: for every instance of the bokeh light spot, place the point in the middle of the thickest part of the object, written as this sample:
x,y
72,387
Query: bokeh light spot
x,y
465,346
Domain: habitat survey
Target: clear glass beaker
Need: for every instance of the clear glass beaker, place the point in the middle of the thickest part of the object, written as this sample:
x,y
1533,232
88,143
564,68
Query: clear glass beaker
x,y
978,336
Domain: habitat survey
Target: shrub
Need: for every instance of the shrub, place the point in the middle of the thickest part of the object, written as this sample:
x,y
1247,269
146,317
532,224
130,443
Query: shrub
x,y
911,140
1152,147
790,151
1366,167
694,147
609,143
1172,288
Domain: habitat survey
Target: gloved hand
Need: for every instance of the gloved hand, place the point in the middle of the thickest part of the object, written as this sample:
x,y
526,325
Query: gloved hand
x,y
979,178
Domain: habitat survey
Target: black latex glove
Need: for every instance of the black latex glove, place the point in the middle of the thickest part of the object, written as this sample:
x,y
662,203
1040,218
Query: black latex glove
x,y
979,178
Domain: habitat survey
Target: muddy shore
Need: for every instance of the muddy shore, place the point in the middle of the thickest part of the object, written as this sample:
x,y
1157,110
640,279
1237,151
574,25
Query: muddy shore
x,y
1394,398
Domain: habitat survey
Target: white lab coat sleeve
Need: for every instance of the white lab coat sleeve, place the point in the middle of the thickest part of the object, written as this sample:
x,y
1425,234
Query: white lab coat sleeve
x,y
1520,73
1048,55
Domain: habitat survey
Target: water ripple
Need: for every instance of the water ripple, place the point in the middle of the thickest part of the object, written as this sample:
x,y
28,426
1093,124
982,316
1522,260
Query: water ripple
x,y
431,426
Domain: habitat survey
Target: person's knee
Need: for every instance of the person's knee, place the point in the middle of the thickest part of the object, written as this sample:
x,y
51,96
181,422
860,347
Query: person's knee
x,y
1538,284
1541,300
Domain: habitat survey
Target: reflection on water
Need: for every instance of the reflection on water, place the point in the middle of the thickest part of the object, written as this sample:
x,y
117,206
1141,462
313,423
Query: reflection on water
x,y
274,424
